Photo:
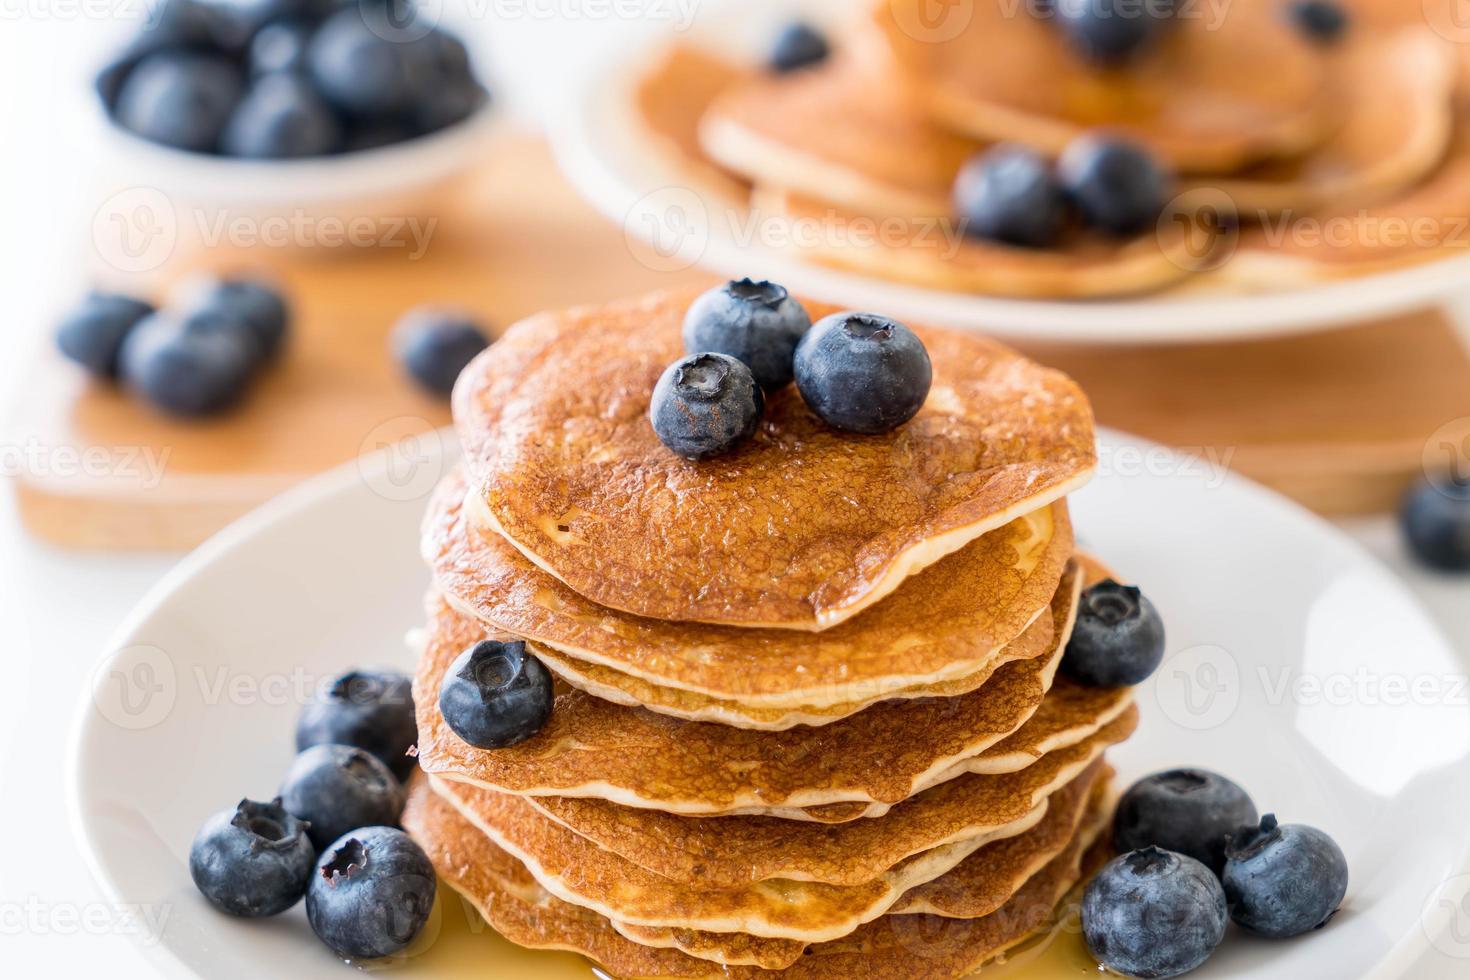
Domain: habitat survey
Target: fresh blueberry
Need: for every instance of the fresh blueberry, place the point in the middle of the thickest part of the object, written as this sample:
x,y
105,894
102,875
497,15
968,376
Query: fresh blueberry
x,y
253,860
180,99
434,346
371,893
369,709
188,367
93,333
1153,913
366,71
1435,517
705,405
258,305
446,90
1320,20
1188,811
337,788
280,47
1283,879
1118,638
1109,32
496,695
861,372
799,46
281,117
757,323
1118,186
170,25
1009,194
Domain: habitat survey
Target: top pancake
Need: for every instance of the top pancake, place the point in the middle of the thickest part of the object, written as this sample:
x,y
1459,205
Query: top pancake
x,y
802,527
1223,87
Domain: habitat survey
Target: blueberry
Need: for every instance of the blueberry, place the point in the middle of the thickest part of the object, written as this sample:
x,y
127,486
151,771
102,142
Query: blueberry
x,y
1320,20
861,372
369,709
371,893
187,368
257,305
446,90
281,117
253,860
757,323
799,46
93,333
1009,194
366,71
1435,517
1118,186
705,405
171,25
1284,879
1109,32
1118,638
1153,913
280,47
337,788
180,99
370,134
1188,811
496,695
434,346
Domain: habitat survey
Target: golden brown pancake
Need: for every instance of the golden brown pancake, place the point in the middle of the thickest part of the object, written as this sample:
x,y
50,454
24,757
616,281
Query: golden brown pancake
x,y
1396,121
669,100
841,133
936,254
578,871
992,875
1210,97
1428,221
916,947
955,621
554,420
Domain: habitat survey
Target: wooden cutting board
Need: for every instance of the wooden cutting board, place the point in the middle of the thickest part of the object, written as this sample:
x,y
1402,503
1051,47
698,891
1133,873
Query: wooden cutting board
x,y
1336,420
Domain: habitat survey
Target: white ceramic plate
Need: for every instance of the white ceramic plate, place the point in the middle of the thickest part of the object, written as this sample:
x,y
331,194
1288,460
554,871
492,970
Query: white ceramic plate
x,y
1289,655
600,147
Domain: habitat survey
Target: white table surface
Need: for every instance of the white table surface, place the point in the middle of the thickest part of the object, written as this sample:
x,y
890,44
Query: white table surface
x,y
58,608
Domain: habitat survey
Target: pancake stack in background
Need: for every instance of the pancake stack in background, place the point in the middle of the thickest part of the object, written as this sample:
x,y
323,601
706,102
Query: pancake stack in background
x,y
1293,158
808,718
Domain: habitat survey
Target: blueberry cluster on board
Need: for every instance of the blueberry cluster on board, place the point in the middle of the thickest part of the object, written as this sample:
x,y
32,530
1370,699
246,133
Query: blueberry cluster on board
x,y
330,835
1011,194
277,79
198,356
1195,855
858,372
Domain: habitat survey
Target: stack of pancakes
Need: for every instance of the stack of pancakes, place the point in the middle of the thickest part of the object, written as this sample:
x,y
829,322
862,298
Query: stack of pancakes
x,y
808,718
1335,159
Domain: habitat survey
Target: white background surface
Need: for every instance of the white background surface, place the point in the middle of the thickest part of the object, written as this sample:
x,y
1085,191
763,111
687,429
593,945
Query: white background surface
x,y
57,608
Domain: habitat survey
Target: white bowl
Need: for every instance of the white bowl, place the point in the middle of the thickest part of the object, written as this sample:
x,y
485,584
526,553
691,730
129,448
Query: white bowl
x,y
1272,614
600,146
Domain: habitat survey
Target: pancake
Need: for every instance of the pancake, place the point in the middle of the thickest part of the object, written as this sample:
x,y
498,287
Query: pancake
x,y
1397,118
935,254
916,947
955,621
998,871
577,870
841,133
1211,97
668,101
593,748
554,420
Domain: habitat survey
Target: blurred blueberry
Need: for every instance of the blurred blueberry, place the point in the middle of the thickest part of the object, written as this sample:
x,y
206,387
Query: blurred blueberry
x,y
180,99
799,45
281,117
92,334
434,346
188,368
1435,518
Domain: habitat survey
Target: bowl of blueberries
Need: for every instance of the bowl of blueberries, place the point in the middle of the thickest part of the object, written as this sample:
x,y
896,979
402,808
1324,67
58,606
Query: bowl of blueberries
x,y
325,107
